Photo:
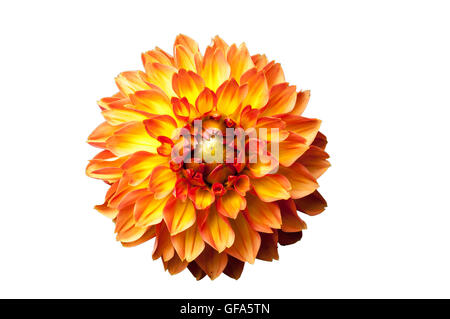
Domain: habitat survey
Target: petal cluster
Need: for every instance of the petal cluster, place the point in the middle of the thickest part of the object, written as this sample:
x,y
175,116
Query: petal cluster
x,y
209,217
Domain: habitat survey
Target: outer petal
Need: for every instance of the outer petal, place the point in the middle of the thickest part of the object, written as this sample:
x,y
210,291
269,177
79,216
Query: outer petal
x,y
157,56
212,262
105,166
216,231
189,244
305,127
269,244
148,210
175,265
117,116
239,60
131,81
126,229
149,234
291,222
179,215
302,182
247,241
301,103
140,165
234,268
161,76
184,58
282,100
99,136
315,160
231,204
163,246
188,43
313,204
215,69
261,215
274,74
272,187
130,139
152,101
291,149
288,238
162,181
260,61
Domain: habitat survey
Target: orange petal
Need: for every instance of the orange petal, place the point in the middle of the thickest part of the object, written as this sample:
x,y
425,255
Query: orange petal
x,y
152,101
268,250
261,215
216,231
291,149
248,117
187,84
274,74
161,125
215,69
260,61
162,181
106,166
315,160
239,60
312,205
291,222
206,101
234,268
220,174
231,203
302,182
229,97
202,197
181,189
242,184
281,100
187,42
258,91
126,229
179,215
272,187
246,242
148,210
157,56
130,139
219,43
303,126
301,103
131,81
212,262
99,136
140,165
189,244
175,265
163,246
184,58
161,76
149,234
118,116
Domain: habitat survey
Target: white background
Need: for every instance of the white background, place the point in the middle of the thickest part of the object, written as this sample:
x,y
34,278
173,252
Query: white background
x,y
379,73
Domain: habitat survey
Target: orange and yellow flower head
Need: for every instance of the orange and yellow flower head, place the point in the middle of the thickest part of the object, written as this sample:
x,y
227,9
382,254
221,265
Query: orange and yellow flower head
x,y
208,154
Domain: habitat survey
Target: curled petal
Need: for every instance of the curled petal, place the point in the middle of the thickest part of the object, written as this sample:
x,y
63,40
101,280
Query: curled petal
x,y
242,184
206,101
320,141
178,215
202,197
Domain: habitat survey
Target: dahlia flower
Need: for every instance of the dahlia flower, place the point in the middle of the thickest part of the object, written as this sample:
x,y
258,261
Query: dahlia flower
x,y
208,213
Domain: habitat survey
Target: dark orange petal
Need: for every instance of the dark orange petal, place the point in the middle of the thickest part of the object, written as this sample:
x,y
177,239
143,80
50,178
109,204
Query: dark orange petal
x,y
303,126
148,210
242,184
320,141
212,262
234,268
291,149
206,101
175,265
315,160
189,243
268,250
196,271
313,204
161,125
291,222
288,238
163,246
